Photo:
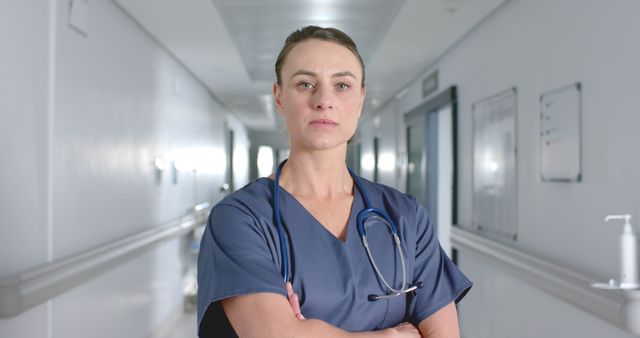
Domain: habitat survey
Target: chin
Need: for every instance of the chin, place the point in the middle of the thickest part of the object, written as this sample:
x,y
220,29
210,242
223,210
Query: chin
x,y
325,143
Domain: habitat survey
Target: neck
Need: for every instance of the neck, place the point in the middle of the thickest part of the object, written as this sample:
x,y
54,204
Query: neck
x,y
321,174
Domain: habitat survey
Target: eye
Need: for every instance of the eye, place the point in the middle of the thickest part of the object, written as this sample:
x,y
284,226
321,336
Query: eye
x,y
343,86
305,85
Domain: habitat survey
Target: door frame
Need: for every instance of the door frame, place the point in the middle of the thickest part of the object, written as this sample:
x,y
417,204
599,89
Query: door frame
x,y
446,97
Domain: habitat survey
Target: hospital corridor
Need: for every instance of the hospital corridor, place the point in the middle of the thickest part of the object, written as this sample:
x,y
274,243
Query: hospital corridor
x,y
509,130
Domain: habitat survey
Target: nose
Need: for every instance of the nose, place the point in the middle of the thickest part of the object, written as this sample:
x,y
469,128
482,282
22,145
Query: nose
x,y
322,98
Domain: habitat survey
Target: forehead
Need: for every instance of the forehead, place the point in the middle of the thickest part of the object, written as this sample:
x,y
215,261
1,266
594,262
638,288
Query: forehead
x,y
321,55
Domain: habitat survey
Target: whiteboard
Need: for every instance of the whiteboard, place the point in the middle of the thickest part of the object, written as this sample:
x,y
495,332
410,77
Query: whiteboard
x,y
494,164
560,134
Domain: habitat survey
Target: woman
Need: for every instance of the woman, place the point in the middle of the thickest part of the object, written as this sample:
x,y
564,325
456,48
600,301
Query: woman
x,y
337,284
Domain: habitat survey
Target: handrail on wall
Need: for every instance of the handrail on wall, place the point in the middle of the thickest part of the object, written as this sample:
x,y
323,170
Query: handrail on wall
x,y
29,288
621,309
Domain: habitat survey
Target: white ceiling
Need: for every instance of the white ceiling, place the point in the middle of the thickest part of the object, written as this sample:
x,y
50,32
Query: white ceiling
x,y
231,45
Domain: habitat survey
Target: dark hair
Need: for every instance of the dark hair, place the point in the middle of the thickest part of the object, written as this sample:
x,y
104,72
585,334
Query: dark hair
x,y
320,33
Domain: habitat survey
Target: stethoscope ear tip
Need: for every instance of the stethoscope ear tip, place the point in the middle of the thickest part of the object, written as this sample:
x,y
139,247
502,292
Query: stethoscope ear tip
x,y
372,298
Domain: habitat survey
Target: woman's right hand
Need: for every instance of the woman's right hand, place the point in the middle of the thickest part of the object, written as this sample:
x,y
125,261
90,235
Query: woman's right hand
x,y
294,301
403,330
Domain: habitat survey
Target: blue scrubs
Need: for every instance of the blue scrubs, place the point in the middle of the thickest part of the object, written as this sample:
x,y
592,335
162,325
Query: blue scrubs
x,y
240,254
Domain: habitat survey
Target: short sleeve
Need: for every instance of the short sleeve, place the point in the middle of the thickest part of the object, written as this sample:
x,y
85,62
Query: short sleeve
x,y
235,259
443,282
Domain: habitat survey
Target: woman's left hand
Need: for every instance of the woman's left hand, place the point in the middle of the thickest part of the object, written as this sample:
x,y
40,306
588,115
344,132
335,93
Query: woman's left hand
x,y
294,301
403,330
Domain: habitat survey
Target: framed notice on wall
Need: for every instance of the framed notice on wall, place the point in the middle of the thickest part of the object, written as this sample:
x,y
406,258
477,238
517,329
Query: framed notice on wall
x,y
560,134
494,164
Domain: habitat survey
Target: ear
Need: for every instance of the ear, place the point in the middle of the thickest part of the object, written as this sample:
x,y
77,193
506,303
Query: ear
x,y
277,94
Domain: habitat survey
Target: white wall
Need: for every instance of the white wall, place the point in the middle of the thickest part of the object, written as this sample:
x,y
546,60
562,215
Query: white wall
x,y
23,133
539,46
82,119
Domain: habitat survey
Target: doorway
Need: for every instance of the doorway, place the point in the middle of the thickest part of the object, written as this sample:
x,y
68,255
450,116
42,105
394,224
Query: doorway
x,y
431,168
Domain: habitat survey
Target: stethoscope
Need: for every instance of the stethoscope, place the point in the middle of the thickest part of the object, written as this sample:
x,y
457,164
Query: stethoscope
x,y
363,215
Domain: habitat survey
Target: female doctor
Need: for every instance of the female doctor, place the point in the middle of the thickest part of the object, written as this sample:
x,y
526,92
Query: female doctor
x,y
314,262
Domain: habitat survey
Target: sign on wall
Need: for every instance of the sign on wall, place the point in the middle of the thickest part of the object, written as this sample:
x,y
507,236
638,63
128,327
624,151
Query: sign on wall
x,y
430,84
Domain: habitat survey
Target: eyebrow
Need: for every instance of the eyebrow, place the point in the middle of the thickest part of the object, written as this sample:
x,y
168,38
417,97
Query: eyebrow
x,y
310,73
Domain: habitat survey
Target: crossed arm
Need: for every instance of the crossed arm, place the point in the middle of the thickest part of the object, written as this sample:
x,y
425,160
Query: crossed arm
x,y
271,315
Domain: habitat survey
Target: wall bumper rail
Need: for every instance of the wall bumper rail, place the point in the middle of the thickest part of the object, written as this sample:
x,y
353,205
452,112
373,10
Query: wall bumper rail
x,y
620,308
32,287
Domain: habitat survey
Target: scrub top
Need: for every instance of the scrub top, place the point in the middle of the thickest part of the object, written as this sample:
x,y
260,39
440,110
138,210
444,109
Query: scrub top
x,y
240,254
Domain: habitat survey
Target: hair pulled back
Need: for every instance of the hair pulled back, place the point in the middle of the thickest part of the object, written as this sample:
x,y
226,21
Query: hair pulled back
x,y
320,33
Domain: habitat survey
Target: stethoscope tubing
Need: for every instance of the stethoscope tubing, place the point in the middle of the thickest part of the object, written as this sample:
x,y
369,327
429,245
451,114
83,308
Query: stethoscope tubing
x,y
362,231
281,234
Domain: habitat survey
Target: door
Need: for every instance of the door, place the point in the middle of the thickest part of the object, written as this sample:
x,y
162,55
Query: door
x,y
431,161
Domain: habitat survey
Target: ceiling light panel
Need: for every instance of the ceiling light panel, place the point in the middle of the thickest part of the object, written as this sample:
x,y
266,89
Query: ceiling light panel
x,y
260,27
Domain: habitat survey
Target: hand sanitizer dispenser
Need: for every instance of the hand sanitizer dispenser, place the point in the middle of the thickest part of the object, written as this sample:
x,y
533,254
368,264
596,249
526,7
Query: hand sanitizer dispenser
x,y
629,285
628,254
628,257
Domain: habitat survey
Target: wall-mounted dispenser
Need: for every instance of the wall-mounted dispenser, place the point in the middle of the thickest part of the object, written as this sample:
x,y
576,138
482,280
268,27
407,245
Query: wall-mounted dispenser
x,y
629,283
628,258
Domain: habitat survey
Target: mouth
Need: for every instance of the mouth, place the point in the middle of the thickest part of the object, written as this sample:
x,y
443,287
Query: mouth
x,y
323,123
